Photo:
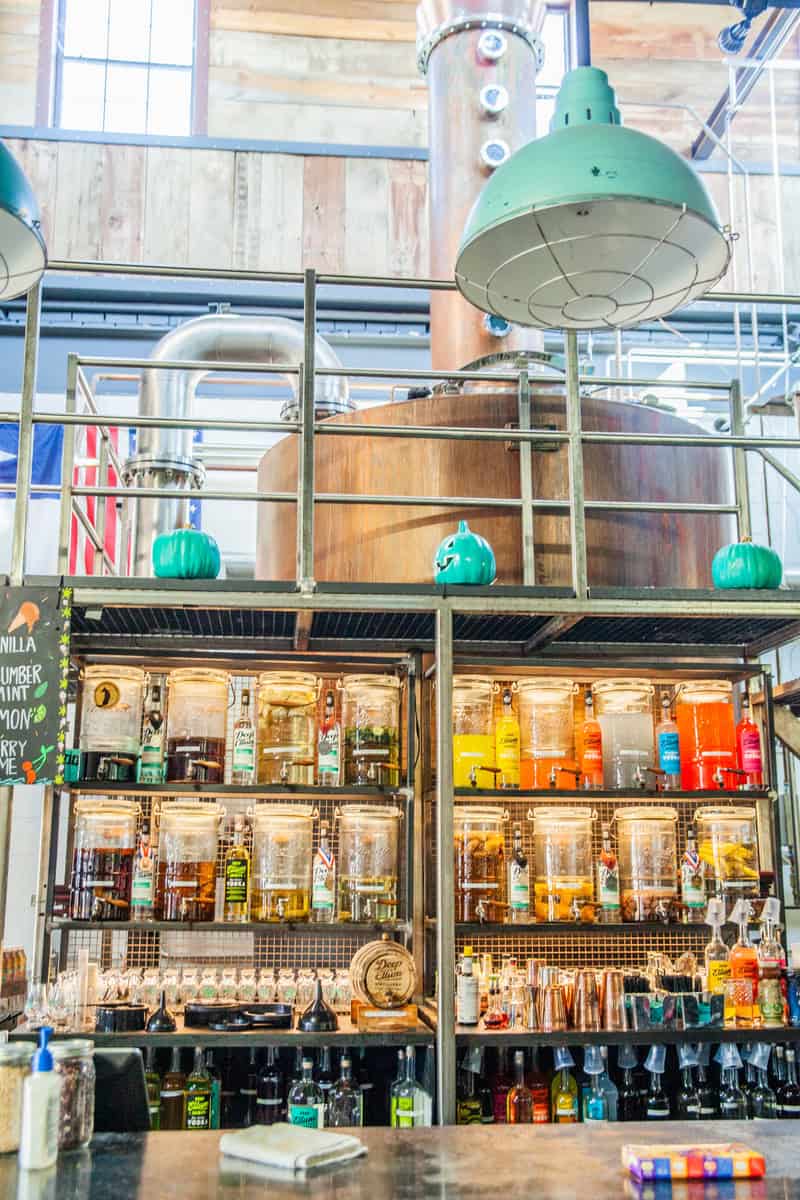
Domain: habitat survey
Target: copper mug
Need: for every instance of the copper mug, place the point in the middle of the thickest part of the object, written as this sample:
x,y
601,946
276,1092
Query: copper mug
x,y
586,1006
612,1001
553,1009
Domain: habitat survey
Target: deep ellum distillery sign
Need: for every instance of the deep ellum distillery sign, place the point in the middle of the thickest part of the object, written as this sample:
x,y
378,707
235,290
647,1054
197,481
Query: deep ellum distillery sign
x,y
34,664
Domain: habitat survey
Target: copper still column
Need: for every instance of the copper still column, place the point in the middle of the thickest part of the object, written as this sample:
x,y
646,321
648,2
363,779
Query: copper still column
x,y
481,59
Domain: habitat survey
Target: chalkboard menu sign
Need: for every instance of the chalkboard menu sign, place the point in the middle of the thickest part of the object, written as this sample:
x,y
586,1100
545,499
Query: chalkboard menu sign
x,y
34,662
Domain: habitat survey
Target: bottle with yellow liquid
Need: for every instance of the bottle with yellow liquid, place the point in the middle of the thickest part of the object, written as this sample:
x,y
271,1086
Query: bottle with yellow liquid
x,y
506,741
717,955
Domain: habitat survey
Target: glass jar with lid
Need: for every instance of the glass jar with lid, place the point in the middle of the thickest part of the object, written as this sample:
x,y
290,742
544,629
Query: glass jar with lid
x,y
190,986
480,863
473,742
228,984
563,863
111,723
102,860
73,1060
648,862
197,718
282,862
624,710
371,720
266,986
208,990
171,986
187,860
287,703
728,847
15,1064
248,989
547,734
368,862
707,735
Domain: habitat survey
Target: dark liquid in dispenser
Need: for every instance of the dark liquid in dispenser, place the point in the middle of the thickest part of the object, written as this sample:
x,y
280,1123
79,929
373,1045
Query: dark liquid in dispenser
x,y
185,891
100,888
196,760
113,766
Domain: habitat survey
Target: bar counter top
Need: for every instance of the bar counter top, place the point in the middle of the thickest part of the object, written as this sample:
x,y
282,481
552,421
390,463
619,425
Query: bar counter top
x,y
470,1162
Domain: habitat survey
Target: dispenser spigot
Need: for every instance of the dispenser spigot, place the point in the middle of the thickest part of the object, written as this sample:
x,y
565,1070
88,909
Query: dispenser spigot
x,y
643,772
556,771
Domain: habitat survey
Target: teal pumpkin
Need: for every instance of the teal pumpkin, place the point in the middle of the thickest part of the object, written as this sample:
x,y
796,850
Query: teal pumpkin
x,y
464,557
745,565
186,554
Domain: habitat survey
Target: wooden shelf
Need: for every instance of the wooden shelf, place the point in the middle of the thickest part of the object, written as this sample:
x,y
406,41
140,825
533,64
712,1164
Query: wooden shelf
x,y
261,928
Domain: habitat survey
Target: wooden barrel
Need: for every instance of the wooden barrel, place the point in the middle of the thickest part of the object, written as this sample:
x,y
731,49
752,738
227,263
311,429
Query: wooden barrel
x,y
383,974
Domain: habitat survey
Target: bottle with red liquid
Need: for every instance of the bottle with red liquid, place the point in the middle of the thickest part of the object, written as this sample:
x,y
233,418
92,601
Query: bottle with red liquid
x,y
501,1086
592,747
519,1102
540,1091
748,747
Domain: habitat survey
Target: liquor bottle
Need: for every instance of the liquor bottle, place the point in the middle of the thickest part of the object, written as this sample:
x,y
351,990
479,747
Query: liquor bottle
x,y
412,1105
669,753
399,1077
501,1086
788,1095
324,1077
519,1102
143,883
630,1101
151,752
748,747
778,1068
687,1101
771,958
244,744
608,881
228,1094
173,1094
592,752
269,1090
236,896
306,1103
693,893
485,1097
732,1100
657,1101
467,998
706,1094
249,1093
744,956
717,955
506,738
152,1081
468,1106
564,1090
344,1100
372,1109
540,1091
610,1089
198,1094
519,895
595,1104
763,1101
323,880
297,1070
329,754
216,1090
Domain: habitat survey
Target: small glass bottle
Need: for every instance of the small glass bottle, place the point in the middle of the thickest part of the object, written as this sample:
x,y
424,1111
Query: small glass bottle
x,y
564,1097
269,1090
592,753
519,1102
306,1103
152,1081
540,1091
236,881
467,991
329,745
507,744
173,1094
748,747
717,955
788,1094
610,1089
608,881
693,892
244,744
399,1077
519,893
198,1094
323,880
744,956
495,1016
344,1101
595,1104
468,1106
669,753
144,873
412,1104
151,753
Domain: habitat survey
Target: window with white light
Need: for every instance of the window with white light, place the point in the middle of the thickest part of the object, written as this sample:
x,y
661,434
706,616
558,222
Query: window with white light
x,y
555,36
126,66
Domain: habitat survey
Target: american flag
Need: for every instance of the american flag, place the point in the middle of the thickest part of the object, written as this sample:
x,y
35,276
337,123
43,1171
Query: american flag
x,y
85,474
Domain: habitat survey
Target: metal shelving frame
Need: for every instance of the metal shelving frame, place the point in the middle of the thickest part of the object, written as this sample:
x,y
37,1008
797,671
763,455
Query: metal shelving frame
x,y
617,626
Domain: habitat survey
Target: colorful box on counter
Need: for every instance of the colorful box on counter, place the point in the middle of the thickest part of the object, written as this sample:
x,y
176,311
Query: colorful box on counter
x,y
723,1160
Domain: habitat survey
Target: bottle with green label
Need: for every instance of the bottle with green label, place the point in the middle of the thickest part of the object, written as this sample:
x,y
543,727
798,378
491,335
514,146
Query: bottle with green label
x,y
151,751
198,1094
244,744
518,881
411,1104
236,906
306,1103
323,880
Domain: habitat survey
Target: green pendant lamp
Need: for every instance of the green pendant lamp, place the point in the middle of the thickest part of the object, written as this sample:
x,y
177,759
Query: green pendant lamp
x,y
592,226
23,254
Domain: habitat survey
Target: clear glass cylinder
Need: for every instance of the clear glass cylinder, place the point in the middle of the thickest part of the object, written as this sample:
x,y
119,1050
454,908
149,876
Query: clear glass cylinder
x,y
563,863
480,863
473,741
197,718
15,1064
371,720
648,862
547,734
187,860
368,863
73,1060
727,843
707,735
287,723
111,722
281,862
102,860
624,710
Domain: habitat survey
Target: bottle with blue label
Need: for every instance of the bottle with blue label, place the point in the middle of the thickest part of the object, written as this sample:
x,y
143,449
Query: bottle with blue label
x,y
669,752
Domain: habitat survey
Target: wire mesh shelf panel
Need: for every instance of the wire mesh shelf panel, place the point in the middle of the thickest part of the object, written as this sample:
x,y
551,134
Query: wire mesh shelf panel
x,y
626,949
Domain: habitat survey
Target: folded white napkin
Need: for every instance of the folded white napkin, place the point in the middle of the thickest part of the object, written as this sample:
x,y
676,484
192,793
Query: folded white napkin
x,y
290,1147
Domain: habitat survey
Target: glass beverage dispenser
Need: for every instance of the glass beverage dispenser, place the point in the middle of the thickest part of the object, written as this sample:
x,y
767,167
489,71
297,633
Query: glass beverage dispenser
x,y
707,733
728,847
187,860
286,727
480,863
368,862
648,863
371,720
563,863
282,862
111,723
624,710
197,717
547,734
102,861
473,743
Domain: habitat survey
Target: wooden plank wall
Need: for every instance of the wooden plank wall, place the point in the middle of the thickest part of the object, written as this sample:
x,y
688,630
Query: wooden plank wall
x,y
19,56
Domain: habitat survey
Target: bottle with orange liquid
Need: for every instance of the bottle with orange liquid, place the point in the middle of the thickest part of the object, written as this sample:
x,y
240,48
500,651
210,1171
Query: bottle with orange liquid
x,y
748,747
592,751
744,956
707,735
